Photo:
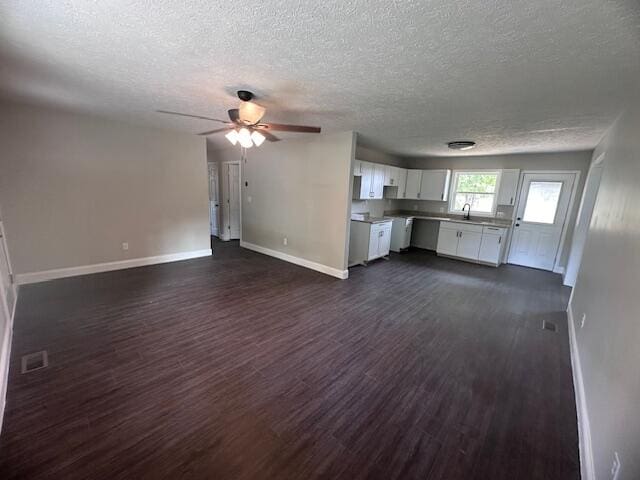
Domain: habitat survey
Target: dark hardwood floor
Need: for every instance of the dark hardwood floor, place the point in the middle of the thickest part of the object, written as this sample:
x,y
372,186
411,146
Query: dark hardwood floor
x,y
241,366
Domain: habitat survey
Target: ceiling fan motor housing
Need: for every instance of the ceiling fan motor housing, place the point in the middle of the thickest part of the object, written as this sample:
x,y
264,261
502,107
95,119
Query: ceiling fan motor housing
x,y
245,95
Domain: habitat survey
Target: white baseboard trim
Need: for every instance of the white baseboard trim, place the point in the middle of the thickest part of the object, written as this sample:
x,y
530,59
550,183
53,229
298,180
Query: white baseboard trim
x,y
318,267
587,469
5,359
34,277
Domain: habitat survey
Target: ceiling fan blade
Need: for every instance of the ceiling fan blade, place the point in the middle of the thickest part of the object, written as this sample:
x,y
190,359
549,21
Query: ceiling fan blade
x,y
250,113
210,132
269,136
280,127
191,116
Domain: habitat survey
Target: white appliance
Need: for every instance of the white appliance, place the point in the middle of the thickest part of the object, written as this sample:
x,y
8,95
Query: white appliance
x,y
401,233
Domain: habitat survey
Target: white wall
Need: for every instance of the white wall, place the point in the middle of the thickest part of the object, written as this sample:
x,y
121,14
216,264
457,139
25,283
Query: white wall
x,y
300,189
74,187
523,161
607,292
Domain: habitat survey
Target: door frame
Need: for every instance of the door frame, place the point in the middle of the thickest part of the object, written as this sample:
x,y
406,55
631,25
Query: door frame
x,y
565,226
225,235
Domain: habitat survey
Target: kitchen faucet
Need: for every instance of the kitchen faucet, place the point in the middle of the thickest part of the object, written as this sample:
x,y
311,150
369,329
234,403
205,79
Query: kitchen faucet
x,y
468,214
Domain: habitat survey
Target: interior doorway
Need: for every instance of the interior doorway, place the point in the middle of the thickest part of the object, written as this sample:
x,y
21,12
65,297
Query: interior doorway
x,y
541,215
231,224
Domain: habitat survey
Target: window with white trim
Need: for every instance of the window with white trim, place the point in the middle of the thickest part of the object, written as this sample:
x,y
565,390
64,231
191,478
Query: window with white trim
x,y
477,188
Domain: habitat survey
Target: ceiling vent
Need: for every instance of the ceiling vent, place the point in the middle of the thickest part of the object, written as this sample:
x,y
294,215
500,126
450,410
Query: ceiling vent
x,y
461,145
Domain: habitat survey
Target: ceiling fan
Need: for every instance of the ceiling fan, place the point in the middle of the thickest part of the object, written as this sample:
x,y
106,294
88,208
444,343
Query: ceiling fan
x,y
244,126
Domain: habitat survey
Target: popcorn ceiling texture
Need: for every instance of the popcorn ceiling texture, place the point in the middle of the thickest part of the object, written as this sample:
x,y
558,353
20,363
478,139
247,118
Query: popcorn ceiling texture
x,y
513,75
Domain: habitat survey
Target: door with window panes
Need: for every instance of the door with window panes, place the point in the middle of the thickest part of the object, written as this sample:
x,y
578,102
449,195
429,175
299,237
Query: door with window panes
x,y
540,217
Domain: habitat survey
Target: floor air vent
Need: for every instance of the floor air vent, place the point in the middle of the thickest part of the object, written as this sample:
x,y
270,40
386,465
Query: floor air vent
x,y
34,361
548,326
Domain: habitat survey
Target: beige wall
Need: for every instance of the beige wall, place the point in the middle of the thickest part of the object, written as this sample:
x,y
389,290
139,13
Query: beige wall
x,y
300,189
607,292
525,161
74,187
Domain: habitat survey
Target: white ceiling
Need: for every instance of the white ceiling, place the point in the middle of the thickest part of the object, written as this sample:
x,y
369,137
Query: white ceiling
x,y
513,75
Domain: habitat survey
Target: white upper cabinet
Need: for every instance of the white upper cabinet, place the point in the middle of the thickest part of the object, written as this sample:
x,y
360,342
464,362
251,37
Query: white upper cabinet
x,y
371,181
377,182
508,187
414,178
357,168
434,185
390,176
402,183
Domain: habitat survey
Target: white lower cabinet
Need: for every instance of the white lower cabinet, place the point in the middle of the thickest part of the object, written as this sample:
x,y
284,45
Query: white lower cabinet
x,y
491,247
471,242
401,233
368,241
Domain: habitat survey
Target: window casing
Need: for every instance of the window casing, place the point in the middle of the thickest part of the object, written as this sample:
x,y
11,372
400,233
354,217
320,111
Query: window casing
x,y
479,188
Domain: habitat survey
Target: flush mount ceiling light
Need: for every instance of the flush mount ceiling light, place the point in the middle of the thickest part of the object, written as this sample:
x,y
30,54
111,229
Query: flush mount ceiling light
x,y
461,145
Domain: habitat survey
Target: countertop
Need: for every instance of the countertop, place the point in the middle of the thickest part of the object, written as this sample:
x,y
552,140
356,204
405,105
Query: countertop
x,y
365,218
442,217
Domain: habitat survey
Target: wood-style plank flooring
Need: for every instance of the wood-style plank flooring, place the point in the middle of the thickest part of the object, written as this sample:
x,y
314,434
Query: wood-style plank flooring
x,y
241,366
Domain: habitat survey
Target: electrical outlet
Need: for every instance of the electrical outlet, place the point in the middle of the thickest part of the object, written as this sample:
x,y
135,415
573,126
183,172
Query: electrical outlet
x,y
125,245
285,241
499,214
615,466
415,207
249,199
441,209
584,317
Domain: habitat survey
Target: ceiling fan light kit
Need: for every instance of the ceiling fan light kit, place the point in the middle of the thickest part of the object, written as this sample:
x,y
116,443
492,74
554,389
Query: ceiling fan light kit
x,y
244,126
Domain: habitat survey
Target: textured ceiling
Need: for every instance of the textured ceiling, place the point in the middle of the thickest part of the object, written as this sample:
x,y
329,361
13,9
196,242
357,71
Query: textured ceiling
x,y
513,75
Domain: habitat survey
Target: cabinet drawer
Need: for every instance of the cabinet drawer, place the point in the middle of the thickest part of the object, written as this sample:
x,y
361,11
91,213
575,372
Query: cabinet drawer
x,y
466,227
494,230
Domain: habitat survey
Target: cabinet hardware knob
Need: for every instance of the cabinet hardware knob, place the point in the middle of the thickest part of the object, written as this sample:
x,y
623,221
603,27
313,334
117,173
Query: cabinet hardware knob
x,y
517,224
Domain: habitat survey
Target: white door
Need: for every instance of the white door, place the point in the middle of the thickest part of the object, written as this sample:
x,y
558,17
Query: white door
x,y
412,190
541,214
214,202
233,201
374,241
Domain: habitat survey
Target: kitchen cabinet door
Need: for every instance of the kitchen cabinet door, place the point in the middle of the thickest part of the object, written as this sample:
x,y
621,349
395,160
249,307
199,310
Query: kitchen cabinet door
x,y
357,168
447,241
414,178
490,248
402,182
390,176
384,241
374,242
469,244
377,184
508,187
366,180
434,185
